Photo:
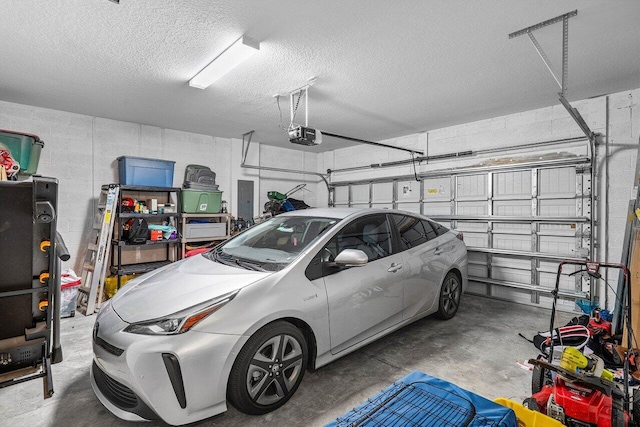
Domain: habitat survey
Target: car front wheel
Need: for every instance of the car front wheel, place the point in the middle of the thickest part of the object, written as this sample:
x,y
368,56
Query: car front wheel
x,y
450,294
268,369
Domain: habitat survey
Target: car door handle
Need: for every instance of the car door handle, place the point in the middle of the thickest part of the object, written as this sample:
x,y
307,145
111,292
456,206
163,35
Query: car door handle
x,y
394,267
438,251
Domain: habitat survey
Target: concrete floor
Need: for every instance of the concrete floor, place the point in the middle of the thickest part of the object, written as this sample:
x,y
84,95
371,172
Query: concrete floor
x,y
476,350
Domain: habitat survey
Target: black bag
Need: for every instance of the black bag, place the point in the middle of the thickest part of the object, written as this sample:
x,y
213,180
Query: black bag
x,y
135,231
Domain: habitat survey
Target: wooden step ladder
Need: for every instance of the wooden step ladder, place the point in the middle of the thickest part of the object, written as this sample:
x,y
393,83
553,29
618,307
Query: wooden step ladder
x,y
94,267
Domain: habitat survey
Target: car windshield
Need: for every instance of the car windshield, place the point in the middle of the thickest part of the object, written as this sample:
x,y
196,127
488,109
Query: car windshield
x,y
272,245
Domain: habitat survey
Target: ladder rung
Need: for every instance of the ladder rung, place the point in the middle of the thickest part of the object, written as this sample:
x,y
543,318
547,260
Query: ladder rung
x,y
92,247
102,206
84,289
88,266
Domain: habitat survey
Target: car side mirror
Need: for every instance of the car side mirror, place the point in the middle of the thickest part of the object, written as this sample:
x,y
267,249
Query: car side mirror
x,y
351,258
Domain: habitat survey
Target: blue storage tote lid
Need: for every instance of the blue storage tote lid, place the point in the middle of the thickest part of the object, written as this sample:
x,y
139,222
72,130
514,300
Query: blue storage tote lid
x,y
145,172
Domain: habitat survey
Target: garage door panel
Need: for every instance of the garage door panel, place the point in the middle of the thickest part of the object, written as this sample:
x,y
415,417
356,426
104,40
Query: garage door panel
x,y
341,196
557,182
562,304
512,262
409,207
437,189
478,240
512,207
408,191
471,187
548,281
477,288
478,257
442,208
568,229
511,274
360,194
512,228
478,270
511,294
472,226
552,267
511,242
382,192
557,207
472,208
557,245
509,184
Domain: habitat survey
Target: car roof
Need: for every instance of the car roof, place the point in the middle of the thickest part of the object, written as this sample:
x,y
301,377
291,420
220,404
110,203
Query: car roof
x,y
341,212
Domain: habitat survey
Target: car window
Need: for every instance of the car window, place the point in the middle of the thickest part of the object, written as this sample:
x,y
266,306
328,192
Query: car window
x,y
273,244
431,233
440,229
370,234
410,230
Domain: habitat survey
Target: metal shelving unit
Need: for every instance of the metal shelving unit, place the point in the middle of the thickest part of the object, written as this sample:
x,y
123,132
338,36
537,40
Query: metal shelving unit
x,y
120,247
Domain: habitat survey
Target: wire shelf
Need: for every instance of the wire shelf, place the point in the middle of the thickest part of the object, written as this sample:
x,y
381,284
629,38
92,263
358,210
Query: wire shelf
x,y
415,404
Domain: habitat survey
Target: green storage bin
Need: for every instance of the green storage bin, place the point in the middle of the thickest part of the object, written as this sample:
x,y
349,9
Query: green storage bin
x,y
25,148
196,201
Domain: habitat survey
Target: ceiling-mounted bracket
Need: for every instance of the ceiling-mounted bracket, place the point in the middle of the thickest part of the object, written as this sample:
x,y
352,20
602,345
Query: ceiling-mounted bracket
x,y
575,115
565,46
563,82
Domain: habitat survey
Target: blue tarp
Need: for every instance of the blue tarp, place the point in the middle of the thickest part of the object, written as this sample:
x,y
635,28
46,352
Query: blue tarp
x,y
422,400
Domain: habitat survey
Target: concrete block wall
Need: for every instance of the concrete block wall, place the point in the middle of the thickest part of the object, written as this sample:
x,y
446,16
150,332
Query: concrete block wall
x,y
544,124
81,152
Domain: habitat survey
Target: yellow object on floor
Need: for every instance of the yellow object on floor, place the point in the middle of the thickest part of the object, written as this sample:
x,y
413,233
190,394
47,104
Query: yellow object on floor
x,y
111,284
526,417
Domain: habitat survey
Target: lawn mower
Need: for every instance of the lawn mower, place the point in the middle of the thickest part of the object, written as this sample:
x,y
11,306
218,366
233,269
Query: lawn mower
x,y
574,387
279,203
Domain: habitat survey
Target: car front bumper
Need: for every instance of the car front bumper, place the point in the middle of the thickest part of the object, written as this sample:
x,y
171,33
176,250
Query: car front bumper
x,y
177,378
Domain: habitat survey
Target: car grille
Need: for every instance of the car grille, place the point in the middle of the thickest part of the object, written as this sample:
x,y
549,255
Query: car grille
x,y
117,393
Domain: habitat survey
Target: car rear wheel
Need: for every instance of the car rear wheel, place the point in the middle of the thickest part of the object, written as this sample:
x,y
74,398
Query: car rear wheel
x,y
450,294
268,369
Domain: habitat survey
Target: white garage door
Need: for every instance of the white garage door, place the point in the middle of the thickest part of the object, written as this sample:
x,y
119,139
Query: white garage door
x,y
517,223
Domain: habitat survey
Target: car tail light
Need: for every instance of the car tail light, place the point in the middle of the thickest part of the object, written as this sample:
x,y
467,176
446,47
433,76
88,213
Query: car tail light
x,y
460,236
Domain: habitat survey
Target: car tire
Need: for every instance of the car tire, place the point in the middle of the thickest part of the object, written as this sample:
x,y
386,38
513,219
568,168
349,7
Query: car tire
x,y
268,369
449,299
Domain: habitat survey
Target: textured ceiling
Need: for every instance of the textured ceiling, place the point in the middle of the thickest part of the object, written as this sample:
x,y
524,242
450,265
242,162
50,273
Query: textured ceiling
x,y
385,68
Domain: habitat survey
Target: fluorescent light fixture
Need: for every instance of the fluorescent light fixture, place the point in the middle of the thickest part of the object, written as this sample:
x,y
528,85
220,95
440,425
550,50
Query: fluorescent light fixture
x,y
240,50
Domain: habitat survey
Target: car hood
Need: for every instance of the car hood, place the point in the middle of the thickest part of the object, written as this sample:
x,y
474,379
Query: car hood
x,y
179,286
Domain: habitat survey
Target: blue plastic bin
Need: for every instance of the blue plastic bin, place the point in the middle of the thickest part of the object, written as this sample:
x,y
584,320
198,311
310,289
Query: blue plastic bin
x,y
145,172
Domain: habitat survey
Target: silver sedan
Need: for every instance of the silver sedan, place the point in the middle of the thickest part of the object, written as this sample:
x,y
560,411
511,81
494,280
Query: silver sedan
x,y
242,322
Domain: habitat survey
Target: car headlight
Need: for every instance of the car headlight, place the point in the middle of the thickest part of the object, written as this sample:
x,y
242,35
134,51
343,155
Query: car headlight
x,y
182,321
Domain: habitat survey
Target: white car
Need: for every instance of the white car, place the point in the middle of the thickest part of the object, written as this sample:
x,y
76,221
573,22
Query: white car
x,y
244,321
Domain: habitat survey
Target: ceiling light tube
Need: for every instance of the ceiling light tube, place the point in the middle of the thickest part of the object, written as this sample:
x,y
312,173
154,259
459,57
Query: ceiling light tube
x,y
240,50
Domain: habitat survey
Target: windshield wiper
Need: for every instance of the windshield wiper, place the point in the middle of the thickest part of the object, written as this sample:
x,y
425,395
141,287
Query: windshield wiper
x,y
217,257
228,259
249,265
